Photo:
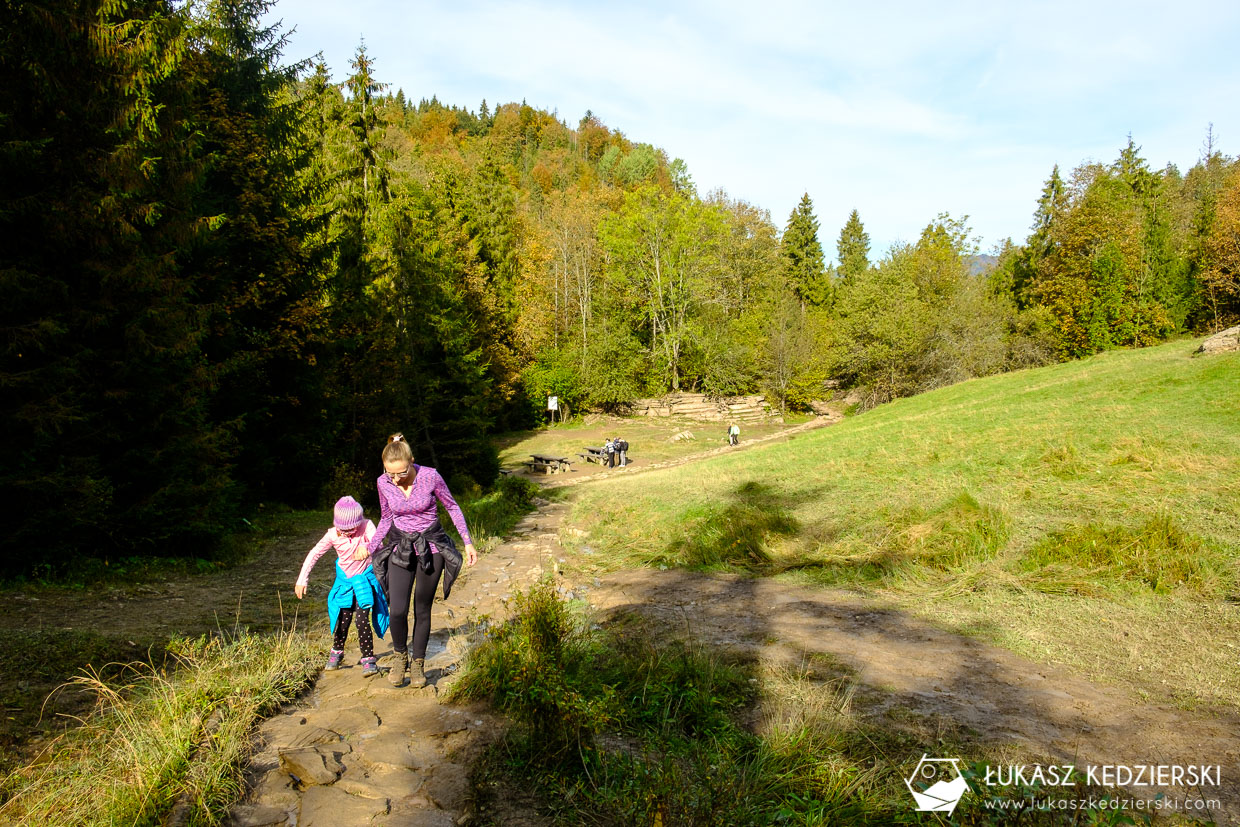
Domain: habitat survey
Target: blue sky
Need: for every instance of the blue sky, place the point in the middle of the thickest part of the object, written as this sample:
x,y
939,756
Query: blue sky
x,y
899,110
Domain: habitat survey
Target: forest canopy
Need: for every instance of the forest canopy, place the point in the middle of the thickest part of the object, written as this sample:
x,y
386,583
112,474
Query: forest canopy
x,y
228,275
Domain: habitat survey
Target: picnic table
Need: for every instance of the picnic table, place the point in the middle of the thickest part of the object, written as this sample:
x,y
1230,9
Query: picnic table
x,y
594,455
547,464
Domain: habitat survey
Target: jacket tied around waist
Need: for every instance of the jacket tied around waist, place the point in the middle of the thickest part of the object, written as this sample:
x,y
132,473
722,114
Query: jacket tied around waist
x,y
413,548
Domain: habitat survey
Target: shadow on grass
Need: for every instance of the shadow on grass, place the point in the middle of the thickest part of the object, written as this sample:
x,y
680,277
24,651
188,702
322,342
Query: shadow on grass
x,y
918,543
916,688
736,533
628,725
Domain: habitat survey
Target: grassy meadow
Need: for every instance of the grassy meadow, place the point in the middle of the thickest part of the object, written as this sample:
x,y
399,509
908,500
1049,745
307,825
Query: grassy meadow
x,y
1099,495
649,438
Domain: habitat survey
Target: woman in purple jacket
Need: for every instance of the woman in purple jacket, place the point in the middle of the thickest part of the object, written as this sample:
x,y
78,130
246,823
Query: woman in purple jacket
x,y
412,553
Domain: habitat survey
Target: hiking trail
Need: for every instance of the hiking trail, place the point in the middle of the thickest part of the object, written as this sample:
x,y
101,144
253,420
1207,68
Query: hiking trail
x,y
359,751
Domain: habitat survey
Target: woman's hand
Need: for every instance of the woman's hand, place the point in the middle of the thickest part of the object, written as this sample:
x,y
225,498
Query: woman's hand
x,y
300,591
471,554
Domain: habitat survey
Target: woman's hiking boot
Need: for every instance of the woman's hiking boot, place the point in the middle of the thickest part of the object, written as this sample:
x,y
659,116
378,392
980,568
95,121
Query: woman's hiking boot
x,y
417,678
370,667
400,662
333,660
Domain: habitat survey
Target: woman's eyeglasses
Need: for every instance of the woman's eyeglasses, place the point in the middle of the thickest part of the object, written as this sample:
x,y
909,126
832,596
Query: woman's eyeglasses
x,y
398,475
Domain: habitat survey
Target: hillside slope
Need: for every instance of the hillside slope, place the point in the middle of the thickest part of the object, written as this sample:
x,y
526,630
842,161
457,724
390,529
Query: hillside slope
x,y
1117,438
1027,508
1083,517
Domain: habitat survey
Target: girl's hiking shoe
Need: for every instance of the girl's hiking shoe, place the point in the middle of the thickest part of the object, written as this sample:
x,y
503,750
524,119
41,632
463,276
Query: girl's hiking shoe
x,y
334,657
370,667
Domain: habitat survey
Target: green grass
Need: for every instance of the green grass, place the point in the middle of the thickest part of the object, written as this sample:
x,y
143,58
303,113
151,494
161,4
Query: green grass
x,y
649,438
619,727
629,726
34,666
491,514
166,738
1157,555
1115,478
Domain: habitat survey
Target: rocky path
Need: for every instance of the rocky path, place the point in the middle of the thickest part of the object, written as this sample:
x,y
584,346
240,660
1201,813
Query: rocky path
x,y
361,751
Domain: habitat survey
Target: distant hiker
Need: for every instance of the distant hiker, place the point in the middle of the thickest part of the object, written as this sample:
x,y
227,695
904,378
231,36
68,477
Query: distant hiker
x,y
412,552
356,590
609,450
622,448
734,434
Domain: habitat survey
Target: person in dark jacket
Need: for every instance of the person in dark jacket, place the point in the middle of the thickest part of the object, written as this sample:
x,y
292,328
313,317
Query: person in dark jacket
x,y
412,553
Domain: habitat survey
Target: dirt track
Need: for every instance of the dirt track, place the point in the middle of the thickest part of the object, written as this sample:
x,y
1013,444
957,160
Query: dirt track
x,y
903,667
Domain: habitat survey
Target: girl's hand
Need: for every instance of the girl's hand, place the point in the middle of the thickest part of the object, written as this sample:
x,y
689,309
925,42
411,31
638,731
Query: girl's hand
x,y
300,591
471,554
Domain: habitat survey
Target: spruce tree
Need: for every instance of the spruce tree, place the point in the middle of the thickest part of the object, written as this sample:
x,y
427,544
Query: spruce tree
x,y
253,270
1052,205
853,249
364,121
109,448
803,257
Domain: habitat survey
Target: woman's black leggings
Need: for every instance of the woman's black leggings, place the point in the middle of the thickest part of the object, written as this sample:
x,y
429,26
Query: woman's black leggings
x,y
401,584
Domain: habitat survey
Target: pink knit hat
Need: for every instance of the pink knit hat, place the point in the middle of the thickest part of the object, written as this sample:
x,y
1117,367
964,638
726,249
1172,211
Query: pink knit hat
x,y
348,514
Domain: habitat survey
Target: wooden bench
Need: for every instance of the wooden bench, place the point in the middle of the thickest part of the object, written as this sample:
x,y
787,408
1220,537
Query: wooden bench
x,y
594,455
547,464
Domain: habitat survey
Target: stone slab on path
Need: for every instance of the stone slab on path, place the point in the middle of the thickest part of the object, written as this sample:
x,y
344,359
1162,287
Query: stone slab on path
x,y
333,807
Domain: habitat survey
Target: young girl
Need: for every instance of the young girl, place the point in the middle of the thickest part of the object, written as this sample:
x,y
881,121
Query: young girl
x,y
356,590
